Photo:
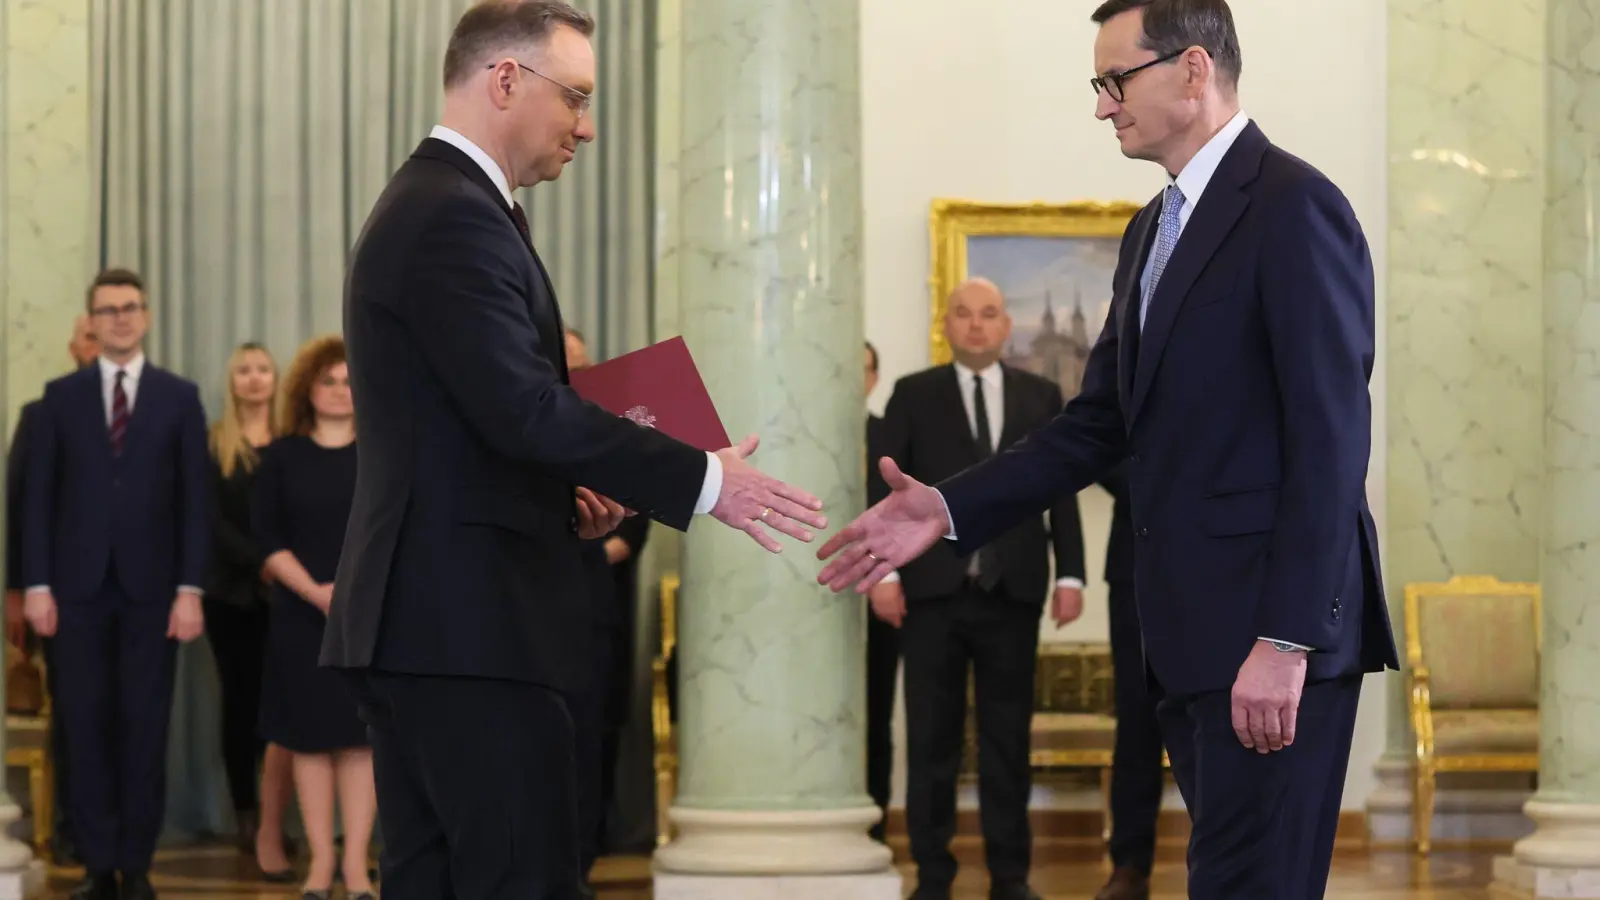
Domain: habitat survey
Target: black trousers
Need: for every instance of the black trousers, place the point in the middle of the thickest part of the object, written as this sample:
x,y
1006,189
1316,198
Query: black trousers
x,y
114,695
1263,823
595,741
998,639
238,637
883,668
60,757
475,787
1136,777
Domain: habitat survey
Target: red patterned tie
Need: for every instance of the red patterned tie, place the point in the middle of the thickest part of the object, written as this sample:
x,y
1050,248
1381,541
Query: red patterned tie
x,y
119,414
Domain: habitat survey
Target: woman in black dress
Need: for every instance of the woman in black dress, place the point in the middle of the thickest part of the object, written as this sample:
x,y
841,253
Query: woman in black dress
x,y
303,496
236,608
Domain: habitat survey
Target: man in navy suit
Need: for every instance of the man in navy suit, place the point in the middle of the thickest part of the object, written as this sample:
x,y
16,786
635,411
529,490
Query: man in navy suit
x,y
115,497
1231,378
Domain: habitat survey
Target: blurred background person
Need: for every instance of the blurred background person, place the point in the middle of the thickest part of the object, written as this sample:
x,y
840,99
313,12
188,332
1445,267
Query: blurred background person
x,y
303,492
236,609
84,348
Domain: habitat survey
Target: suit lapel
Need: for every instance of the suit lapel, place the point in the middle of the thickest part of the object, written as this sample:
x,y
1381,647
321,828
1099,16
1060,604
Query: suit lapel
x,y
96,416
960,428
1011,405
1128,311
1219,210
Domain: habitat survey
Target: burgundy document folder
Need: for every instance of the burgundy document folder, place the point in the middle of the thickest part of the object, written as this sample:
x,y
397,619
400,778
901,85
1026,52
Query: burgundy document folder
x,y
657,387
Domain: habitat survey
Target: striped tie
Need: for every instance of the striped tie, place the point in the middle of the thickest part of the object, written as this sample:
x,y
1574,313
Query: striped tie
x,y
119,414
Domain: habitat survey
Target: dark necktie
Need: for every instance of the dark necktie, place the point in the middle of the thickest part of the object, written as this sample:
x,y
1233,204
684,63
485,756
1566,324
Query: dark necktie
x,y
521,218
119,414
988,567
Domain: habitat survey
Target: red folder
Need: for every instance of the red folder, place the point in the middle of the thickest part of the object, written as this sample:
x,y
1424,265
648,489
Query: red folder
x,y
657,387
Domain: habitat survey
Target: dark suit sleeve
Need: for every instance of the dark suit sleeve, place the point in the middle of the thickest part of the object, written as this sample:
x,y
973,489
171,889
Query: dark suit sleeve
x,y
1062,457
38,492
14,471
1317,294
1066,520
468,315
195,507
234,542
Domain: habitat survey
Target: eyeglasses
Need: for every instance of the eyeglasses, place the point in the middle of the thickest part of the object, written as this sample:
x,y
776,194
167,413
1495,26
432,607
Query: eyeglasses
x,y
577,100
1112,82
111,312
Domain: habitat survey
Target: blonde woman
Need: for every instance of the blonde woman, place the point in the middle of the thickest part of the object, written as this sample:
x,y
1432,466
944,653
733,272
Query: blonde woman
x,y
236,609
303,496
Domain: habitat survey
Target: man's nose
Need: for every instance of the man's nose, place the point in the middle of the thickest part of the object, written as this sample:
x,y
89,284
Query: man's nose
x,y
1104,106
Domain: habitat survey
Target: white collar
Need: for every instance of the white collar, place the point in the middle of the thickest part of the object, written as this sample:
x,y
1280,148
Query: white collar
x,y
135,367
489,166
1197,174
990,374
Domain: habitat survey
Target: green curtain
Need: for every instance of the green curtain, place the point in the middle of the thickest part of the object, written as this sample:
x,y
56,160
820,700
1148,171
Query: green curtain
x,y
240,146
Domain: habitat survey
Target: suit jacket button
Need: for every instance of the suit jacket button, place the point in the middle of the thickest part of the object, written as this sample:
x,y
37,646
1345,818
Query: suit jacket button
x,y
1144,532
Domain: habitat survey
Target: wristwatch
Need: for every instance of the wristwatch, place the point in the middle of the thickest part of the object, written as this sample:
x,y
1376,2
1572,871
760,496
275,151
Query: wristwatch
x,y
1282,647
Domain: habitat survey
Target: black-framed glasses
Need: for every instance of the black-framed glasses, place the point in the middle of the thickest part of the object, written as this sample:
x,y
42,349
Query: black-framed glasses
x,y
578,100
1112,82
111,312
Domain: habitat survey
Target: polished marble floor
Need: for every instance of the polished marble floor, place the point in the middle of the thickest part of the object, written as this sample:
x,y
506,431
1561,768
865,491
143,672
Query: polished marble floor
x,y
1060,872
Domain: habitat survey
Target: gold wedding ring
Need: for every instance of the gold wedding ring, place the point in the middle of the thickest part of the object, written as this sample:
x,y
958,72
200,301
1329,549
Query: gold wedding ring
x,y
765,511
872,557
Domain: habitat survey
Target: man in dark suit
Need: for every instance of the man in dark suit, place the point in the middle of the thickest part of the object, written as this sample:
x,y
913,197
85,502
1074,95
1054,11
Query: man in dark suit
x,y
118,536
84,348
1136,775
974,612
883,652
460,610
1231,377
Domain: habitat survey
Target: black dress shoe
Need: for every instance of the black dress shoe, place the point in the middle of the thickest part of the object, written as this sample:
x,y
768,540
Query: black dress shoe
x,y
1126,884
136,886
96,887
925,892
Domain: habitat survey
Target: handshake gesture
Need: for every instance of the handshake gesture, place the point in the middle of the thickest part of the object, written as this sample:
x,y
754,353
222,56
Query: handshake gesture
x,y
750,501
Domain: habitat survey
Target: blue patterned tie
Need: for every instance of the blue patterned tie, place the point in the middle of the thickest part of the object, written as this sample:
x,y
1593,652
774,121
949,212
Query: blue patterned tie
x,y
1166,242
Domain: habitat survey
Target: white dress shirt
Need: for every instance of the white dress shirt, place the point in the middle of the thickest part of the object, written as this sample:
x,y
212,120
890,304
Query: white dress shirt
x,y
994,403
133,370
711,487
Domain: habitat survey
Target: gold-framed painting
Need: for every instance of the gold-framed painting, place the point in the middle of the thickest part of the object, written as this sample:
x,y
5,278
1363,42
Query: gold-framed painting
x,y
1053,263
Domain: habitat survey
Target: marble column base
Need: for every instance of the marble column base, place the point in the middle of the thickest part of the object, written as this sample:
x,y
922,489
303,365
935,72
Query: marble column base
x,y
1466,806
742,842
1560,859
862,886
21,876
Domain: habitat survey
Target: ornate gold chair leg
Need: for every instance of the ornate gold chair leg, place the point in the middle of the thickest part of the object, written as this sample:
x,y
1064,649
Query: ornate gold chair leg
x,y
1422,810
41,784
1105,807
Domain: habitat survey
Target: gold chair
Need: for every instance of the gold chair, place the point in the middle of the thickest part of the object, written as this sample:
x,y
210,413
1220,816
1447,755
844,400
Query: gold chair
x,y
1472,666
661,712
28,742
1074,719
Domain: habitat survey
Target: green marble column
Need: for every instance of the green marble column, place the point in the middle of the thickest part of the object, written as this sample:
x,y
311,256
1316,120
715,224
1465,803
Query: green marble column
x,y
1562,857
45,242
767,222
1463,339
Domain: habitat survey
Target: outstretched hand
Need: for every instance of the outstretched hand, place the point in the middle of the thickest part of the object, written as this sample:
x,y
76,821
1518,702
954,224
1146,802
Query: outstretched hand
x,y
751,499
892,533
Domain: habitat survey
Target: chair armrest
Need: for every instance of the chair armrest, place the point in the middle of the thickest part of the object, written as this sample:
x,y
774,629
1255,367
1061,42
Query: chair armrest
x,y
1421,713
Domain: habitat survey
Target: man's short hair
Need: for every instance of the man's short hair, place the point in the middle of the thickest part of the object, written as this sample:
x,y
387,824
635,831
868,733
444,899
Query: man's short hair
x,y
113,278
1172,26
493,27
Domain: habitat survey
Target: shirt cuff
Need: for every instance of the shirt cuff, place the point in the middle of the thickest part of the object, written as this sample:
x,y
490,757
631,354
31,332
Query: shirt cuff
x,y
39,589
891,578
1286,644
951,534
190,589
1070,582
711,488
